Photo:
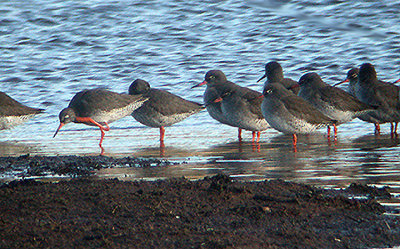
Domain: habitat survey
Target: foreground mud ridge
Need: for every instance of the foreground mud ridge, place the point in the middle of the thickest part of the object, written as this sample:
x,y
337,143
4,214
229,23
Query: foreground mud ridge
x,y
216,212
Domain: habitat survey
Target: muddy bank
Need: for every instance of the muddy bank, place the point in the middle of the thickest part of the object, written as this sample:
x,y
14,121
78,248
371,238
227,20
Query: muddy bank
x,y
216,212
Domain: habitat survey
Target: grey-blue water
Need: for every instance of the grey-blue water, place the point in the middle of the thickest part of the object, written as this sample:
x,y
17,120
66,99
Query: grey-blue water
x,y
52,49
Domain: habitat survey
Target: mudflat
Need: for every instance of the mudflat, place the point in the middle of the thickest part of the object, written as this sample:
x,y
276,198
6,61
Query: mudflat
x,y
215,212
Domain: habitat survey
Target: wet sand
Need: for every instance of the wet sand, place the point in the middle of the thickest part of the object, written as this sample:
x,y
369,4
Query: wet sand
x,y
215,212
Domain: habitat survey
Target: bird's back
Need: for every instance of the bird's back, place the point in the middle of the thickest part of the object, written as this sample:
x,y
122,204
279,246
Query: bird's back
x,y
105,106
169,104
11,107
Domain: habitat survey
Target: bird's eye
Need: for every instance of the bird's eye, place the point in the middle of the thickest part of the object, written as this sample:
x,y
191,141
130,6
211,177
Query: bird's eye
x,y
269,91
212,77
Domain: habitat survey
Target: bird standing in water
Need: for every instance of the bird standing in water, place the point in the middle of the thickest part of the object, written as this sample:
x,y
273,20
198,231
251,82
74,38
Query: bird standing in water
x,y
241,106
291,114
372,116
212,102
162,108
333,102
99,107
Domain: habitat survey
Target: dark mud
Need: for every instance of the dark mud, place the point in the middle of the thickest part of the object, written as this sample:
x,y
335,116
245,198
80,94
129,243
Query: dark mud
x,y
72,166
216,212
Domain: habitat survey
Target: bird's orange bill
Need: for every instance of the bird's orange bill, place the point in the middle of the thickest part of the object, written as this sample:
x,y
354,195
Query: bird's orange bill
x,y
397,81
200,84
346,80
59,127
219,99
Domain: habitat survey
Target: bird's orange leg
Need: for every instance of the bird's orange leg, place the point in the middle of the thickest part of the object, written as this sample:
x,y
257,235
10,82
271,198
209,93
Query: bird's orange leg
x,y
335,131
162,133
88,120
162,148
377,129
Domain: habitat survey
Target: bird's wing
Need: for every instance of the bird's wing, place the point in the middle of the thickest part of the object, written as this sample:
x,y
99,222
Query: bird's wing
x,y
88,101
301,109
168,104
11,107
342,100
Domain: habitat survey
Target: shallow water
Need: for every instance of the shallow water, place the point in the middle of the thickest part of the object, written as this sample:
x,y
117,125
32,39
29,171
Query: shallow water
x,y
53,49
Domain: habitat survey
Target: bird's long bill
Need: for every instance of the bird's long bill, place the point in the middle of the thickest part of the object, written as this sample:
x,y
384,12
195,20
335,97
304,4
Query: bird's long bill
x,y
346,80
200,84
59,127
397,81
263,77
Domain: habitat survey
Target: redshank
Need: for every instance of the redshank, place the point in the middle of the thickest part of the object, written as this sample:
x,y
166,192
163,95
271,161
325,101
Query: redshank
x,y
333,102
99,107
13,113
241,106
352,79
378,93
212,102
274,74
291,114
163,108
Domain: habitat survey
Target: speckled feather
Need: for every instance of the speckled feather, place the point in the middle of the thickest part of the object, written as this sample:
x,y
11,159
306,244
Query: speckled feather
x,y
290,113
331,101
